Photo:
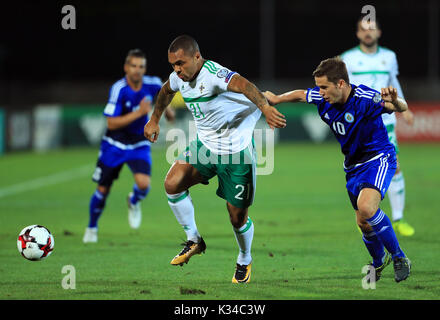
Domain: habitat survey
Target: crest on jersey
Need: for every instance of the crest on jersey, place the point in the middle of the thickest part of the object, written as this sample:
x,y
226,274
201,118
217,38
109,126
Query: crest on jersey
x,y
222,73
201,87
187,153
348,117
377,97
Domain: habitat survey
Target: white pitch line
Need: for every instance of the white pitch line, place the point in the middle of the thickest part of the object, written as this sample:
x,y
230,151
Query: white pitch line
x,y
46,181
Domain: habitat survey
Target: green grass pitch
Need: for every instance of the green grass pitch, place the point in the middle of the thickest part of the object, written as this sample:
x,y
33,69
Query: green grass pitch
x,y
306,244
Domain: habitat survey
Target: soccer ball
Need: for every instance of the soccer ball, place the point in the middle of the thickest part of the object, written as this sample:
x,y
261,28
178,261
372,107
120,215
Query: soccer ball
x,y
35,242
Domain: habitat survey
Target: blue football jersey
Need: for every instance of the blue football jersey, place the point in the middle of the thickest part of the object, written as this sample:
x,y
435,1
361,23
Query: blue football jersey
x,y
123,99
357,124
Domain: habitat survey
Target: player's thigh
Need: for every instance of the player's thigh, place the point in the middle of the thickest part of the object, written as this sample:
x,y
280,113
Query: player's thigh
x,y
108,166
376,175
142,180
368,202
139,161
181,177
237,181
191,167
141,170
374,183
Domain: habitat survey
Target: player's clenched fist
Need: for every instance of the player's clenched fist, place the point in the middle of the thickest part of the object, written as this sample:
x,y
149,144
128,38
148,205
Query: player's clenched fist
x,y
151,130
389,94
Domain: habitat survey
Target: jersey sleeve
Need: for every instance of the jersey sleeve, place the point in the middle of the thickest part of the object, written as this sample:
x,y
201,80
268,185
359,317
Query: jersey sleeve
x,y
376,106
114,104
220,76
313,96
174,82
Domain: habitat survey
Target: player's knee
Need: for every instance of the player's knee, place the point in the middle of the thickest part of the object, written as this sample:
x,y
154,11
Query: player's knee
x,y
144,185
238,216
171,185
366,209
103,189
237,222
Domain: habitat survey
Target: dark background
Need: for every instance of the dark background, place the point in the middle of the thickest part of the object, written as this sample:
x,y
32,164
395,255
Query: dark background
x,y
40,61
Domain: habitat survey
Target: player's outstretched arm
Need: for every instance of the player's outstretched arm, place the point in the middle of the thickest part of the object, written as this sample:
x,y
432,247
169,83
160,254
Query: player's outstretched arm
x,y
164,97
291,96
274,118
392,101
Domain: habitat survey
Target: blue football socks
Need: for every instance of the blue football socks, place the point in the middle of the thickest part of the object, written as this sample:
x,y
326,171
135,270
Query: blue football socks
x,y
375,248
383,229
97,204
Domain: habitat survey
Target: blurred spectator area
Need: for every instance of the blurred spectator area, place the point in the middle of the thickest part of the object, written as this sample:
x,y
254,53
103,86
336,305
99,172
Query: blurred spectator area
x,y
54,83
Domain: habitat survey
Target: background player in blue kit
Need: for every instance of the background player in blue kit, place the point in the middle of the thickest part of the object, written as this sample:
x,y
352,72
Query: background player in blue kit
x,y
354,115
127,112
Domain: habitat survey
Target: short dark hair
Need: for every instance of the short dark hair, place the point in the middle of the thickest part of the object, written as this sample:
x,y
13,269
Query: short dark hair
x,y
361,18
138,53
186,43
333,68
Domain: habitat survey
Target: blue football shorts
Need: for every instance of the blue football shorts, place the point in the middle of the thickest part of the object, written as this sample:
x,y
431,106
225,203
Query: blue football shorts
x,y
375,174
111,160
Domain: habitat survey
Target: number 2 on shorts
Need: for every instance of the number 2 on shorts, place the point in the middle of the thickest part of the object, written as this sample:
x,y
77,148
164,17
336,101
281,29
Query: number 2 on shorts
x,y
241,187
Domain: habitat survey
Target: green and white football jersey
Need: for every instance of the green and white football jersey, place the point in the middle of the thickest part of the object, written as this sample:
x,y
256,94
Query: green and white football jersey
x,y
375,70
225,120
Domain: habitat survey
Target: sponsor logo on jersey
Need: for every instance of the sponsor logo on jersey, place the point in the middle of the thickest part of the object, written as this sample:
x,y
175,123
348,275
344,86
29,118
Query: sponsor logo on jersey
x,y
348,117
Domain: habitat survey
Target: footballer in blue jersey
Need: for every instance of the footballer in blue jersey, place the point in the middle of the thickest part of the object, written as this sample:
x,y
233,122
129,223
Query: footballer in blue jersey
x,y
353,114
127,109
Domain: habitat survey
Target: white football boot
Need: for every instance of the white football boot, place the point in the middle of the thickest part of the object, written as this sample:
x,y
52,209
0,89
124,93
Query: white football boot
x,y
91,235
134,213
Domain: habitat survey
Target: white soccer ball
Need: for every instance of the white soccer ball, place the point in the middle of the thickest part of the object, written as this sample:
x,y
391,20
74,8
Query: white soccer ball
x,y
35,242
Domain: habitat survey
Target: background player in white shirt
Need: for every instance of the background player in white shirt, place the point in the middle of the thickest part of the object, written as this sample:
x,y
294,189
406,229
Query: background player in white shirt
x,y
376,67
225,107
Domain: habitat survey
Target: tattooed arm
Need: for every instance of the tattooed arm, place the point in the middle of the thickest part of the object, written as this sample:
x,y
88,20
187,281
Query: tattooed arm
x,y
239,84
151,129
